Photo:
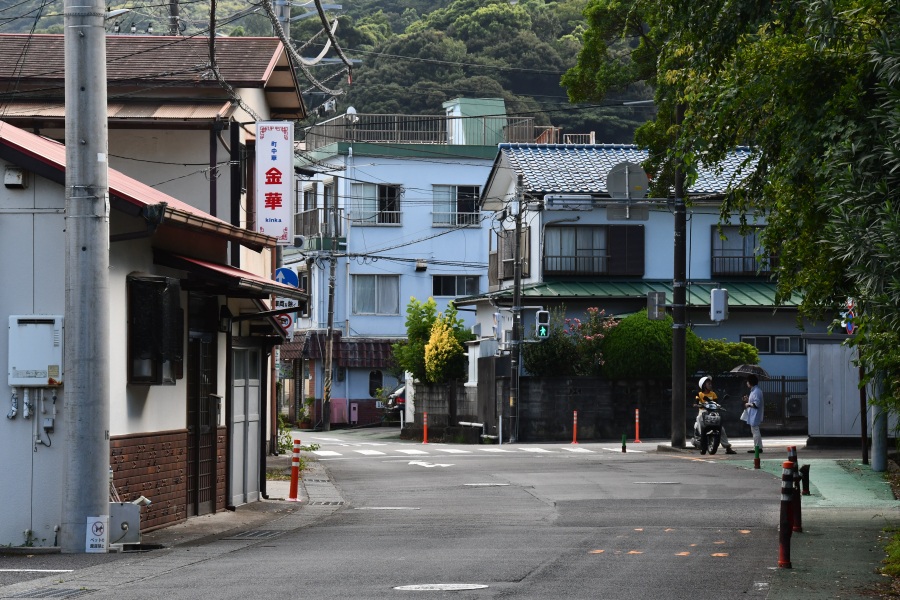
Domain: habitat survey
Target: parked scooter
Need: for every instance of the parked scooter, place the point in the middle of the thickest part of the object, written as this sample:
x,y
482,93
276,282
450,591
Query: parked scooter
x,y
708,436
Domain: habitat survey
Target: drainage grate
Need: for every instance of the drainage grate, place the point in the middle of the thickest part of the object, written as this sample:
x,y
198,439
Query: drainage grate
x,y
315,480
257,534
53,592
326,503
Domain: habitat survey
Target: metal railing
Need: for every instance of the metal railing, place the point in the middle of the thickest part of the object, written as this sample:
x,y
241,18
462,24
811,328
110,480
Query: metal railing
x,y
743,265
427,129
575,265
314,222
455,219
374,218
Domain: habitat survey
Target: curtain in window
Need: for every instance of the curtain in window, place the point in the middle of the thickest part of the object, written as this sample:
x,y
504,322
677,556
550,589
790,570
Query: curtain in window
x,y
591,249
364,294
444,205
365,202
388,295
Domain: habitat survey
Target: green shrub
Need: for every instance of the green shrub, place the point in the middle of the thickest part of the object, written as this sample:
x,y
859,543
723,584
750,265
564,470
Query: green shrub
x,y
638,348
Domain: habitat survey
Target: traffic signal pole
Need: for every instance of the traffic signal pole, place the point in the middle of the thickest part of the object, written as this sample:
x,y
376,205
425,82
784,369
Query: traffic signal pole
x,y
516,317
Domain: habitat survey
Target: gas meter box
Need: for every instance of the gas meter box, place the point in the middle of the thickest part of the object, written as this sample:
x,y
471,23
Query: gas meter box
x,y
35,350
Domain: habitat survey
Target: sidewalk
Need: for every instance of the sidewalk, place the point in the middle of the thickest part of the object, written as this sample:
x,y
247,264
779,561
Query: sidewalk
x,y
847,519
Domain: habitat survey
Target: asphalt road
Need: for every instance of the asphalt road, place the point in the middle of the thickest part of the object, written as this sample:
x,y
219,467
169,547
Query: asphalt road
x,y
533,522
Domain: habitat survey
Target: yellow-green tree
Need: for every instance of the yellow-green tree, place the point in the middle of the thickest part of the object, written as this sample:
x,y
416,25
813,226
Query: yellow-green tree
x,y
444,355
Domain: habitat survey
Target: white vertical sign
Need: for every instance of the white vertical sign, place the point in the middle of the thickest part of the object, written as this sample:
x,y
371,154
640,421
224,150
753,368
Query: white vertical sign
x,y
96,537
275,179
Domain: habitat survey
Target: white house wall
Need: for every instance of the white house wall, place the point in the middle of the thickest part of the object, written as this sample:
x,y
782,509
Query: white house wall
x,y
32,247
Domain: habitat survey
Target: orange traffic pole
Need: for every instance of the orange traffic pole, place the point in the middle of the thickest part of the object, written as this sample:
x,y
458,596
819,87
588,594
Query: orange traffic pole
x,y
637,426
425,430
295,472
574,426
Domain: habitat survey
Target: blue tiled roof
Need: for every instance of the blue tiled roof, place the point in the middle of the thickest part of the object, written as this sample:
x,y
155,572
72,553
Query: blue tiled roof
x,y
582,169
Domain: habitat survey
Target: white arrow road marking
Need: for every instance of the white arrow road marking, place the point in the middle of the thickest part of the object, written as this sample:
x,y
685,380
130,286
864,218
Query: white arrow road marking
x,y
427,465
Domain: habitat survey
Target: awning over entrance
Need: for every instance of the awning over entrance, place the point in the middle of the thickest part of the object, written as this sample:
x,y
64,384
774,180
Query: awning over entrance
x,y
354,352
222,279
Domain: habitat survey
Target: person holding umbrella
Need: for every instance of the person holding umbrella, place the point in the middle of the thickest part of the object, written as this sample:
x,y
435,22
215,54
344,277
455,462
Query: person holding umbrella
x,y
753,402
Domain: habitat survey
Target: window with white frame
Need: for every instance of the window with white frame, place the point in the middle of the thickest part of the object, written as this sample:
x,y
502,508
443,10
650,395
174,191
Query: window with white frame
x,y
762,343
454,285
376,295
455,205
375,204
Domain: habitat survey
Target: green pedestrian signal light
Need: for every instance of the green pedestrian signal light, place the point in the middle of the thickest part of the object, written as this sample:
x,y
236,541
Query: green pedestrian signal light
x,y
542,324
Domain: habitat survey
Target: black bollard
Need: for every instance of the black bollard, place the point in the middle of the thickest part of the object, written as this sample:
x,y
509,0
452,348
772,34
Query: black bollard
x,y
784,522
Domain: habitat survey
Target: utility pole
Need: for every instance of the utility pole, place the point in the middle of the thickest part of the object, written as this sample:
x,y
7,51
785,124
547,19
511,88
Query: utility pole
x,y
86,345
516,317
679,300
329,342
173,17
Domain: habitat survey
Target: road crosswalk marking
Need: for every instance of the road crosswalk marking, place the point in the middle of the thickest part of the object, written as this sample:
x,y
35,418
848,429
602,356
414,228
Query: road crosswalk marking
x,y
453,451
370,452
536,450
411,451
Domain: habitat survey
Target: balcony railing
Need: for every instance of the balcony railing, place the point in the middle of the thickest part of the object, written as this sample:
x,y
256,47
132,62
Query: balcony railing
x,y
455,219
742,266
382,217
428,129
575,265
314,222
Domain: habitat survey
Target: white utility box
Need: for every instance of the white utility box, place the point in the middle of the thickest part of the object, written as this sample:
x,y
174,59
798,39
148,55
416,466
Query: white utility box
x,y
35,350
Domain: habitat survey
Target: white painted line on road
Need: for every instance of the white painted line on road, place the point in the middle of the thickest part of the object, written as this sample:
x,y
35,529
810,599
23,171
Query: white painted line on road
x,y
412,452
485,484
453,451
619,450
495,450
370,452
387,508
578,450
326,453
328,439
36,570
427,465
535,450
656,482
440,587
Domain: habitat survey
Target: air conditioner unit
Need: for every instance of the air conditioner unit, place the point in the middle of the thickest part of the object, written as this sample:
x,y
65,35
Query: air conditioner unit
x,y
795,407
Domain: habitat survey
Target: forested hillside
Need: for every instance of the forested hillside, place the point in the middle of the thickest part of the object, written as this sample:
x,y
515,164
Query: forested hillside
x,y
409,55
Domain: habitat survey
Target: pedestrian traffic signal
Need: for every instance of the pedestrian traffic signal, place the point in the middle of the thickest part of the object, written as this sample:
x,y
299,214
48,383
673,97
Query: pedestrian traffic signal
x,y
542,324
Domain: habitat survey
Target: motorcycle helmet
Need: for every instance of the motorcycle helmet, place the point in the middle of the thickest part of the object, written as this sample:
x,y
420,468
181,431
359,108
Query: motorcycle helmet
x,y
704,380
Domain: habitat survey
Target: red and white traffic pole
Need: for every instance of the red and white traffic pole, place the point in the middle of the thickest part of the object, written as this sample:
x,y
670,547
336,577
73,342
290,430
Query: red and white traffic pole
x,y
425,428
295,472
637,426
574,426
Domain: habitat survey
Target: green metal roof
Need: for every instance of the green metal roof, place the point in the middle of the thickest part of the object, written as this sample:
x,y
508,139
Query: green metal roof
x,y
745,294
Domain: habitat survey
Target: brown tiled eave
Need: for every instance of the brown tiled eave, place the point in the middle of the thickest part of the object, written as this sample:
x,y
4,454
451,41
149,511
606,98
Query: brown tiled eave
x,y
350,352
162,66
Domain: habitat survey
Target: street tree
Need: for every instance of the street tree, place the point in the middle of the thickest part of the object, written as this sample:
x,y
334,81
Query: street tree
x,y
812,88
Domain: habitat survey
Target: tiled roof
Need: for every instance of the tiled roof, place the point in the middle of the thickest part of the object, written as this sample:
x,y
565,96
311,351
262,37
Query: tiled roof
x,y
15,142
582,169
741,294
350,352
155,66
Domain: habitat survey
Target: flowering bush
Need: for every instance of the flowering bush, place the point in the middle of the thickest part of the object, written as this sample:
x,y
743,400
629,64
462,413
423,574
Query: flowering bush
x,y
587,337
574,346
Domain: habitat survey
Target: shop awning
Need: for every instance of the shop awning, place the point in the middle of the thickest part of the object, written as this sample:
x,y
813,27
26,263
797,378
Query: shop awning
x,y
222,279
